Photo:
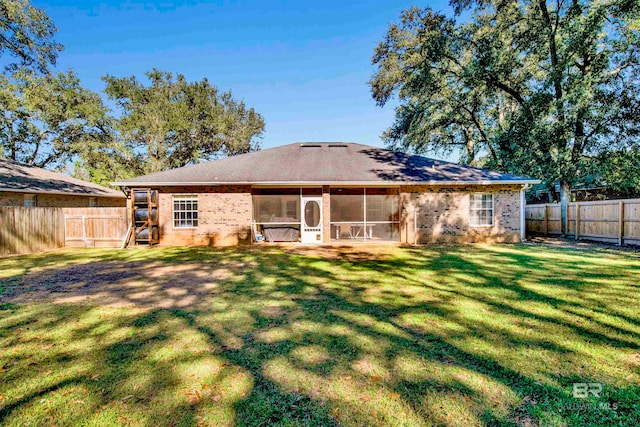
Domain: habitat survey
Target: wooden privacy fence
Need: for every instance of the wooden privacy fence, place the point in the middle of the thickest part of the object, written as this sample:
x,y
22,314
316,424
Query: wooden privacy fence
x,y
27,230
613,221
95,227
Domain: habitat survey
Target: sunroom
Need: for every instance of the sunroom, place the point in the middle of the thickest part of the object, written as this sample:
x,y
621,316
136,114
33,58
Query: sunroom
x,y
335,214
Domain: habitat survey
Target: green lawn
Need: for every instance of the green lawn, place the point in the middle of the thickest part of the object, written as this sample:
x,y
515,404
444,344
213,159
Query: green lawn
x,y
453,335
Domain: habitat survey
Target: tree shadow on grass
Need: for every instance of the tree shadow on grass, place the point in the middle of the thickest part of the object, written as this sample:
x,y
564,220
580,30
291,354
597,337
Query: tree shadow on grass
x,y
271,336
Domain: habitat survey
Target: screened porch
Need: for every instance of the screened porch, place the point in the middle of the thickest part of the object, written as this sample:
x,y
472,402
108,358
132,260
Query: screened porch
x,y
301,215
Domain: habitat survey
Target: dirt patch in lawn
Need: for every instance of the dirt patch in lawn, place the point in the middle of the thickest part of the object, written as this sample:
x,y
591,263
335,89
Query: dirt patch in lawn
x,y
114,283
156,284
355,252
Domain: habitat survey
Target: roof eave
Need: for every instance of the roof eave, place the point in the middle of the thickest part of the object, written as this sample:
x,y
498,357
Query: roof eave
x,y
114,195
372,183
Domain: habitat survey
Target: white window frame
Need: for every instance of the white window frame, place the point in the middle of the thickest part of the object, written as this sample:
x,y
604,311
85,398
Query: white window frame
x,y
186,197
30,201
473,209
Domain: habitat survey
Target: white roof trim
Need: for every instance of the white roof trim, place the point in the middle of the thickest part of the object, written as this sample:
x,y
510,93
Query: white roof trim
x,y
115,195
290,183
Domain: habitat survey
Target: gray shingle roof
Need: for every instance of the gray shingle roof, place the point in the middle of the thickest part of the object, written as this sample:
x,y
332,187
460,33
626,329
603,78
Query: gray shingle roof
x,y
324,163
18,177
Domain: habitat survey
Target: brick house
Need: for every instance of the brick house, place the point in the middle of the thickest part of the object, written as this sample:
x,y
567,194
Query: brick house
x,y
29,186
334,193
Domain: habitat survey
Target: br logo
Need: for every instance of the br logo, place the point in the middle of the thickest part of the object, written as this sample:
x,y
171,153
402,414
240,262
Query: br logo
x,y
583,390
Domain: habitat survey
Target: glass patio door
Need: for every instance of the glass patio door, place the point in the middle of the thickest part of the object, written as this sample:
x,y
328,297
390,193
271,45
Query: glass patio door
x,y
311,220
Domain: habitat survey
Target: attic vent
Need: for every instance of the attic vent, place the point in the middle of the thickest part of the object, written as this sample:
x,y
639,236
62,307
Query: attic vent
x,y
337,145
310,145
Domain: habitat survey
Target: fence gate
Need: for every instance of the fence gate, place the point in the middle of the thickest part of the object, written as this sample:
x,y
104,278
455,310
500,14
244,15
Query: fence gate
x,y
95,227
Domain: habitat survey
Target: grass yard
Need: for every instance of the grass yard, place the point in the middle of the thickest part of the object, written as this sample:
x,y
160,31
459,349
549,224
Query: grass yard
x,y
452,336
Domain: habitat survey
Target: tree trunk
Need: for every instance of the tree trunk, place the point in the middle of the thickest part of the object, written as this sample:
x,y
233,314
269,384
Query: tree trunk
x,y
565,198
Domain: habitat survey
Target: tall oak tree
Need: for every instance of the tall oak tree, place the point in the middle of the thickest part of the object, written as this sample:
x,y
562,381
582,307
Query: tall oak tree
x,y
172,122
545,88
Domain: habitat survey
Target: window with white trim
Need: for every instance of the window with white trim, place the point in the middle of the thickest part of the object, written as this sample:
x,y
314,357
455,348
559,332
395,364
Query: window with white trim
x,y
481,210
185,211
30,201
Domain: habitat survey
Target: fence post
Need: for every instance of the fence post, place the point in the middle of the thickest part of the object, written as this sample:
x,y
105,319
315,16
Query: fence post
x,y
84,231
621,223
64,216
577,221
546,220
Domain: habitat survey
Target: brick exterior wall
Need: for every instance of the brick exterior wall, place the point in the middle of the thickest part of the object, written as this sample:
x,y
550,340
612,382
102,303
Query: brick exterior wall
x,y
443,214
60,201
224,216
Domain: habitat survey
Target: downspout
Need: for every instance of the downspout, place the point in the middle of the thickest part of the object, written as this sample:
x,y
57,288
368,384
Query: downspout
x,y
523,220
365,215
415,227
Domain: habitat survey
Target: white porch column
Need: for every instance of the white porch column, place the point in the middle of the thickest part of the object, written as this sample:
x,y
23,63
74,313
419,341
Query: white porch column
x,y
523,221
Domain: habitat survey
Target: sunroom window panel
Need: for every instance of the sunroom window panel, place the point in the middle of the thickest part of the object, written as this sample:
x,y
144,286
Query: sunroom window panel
x,y
386,232
276,213
347,205
276,208
382,205
359,214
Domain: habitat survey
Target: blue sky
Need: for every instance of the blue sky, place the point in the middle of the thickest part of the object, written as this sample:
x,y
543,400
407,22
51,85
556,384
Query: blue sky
x,y
303,65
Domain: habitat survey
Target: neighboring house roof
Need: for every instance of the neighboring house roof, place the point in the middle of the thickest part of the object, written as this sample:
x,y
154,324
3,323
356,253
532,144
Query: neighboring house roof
x,y
20,178
324,163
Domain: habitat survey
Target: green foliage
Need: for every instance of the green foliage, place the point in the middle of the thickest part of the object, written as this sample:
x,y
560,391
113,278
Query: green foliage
x,y
620,170
539,88
109,158
26,34
173,122
48,119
